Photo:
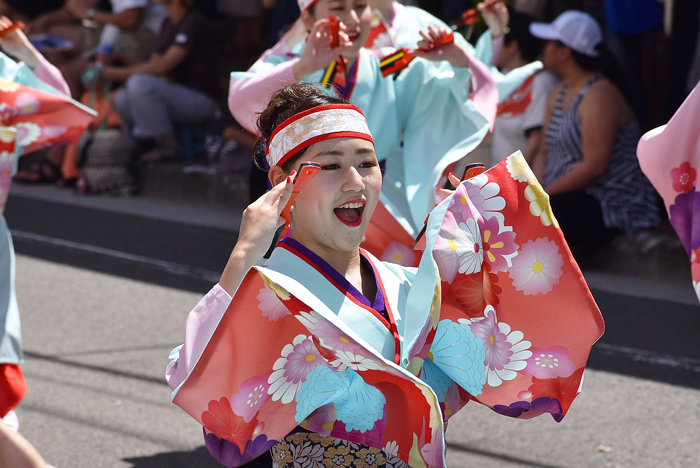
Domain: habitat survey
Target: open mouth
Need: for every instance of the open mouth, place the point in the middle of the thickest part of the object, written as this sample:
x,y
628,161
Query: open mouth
x,y
350,213
353,36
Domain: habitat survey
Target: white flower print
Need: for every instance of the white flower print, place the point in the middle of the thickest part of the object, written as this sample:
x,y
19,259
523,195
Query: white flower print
x,y
467,245
356,362
506,350
270,305
518,168
27,133
328,334
483,195
290,371
391,448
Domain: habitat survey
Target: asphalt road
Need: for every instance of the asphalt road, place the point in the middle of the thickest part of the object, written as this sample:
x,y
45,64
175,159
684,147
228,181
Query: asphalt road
x,y
104,295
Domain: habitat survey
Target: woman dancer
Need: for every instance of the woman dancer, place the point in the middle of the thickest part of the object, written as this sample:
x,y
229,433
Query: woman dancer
x,y
35,115
327,355
430,94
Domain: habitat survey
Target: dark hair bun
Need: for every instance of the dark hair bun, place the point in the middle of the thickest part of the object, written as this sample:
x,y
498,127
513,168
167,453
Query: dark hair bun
x,y
283,104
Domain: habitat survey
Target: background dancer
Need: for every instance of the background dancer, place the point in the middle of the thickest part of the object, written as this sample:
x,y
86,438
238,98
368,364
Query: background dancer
x,y
404,112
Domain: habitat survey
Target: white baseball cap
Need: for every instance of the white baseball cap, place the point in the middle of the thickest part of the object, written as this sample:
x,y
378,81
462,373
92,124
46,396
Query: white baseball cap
x,y
575,29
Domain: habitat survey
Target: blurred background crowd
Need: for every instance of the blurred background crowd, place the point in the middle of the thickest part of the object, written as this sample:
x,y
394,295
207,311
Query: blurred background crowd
x,y
156,106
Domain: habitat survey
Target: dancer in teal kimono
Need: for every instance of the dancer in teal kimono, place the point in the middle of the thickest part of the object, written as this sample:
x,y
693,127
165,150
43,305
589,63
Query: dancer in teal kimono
x,y
327,356
34,114
429,116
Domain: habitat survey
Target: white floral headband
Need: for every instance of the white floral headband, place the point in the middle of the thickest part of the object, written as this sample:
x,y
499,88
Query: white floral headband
x,y
306,4
314,125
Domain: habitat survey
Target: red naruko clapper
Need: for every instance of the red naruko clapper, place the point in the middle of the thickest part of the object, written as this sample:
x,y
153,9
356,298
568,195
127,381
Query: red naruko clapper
x,y
307,171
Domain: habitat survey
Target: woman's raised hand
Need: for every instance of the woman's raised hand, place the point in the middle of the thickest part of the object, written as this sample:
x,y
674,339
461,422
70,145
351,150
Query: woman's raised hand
x,y
262,219
318,53
260,222
453,52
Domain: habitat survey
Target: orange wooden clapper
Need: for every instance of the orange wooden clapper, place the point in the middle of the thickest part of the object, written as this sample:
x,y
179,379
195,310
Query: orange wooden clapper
x,y
472,15
398,60
11,27
307,171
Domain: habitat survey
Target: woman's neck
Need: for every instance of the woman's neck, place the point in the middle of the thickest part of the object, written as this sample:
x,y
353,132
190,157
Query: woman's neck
x,y
515,62
575,77
347,263
385,7
351,59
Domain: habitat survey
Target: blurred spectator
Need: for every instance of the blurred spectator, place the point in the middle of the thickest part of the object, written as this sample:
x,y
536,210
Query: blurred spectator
x,y
284,14
25,10
520,116
590,167
694,72
533,8
249,23
128,33
175,87
635,37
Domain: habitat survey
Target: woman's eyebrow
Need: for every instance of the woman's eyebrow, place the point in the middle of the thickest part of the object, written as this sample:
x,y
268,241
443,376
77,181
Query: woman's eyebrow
x,y
330,153
341,153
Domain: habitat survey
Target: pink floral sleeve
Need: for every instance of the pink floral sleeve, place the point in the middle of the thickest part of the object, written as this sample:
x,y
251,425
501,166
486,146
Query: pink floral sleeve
x,y
248,95
199,327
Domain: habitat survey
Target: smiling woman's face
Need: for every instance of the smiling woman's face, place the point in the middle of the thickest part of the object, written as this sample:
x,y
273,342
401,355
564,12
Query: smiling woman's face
x,y
356,15
333,211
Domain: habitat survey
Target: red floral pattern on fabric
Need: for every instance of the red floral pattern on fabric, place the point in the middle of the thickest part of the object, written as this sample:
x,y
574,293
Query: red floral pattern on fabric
x,y
563,389
222,421
476,291
683,177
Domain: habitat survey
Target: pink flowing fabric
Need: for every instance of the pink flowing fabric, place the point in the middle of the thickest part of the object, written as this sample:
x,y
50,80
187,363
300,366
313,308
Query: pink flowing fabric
x,y
7,151
35,119
670,157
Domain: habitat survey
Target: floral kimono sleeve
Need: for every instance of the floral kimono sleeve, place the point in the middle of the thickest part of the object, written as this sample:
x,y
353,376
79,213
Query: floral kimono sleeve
x,y
670,158
509,279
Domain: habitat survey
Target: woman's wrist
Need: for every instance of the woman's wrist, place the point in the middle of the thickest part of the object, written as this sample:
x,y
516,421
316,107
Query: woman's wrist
x,y
240,261
302,69
460,58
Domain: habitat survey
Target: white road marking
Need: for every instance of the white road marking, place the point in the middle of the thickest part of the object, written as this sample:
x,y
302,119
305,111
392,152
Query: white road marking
x,y
170,267
651,357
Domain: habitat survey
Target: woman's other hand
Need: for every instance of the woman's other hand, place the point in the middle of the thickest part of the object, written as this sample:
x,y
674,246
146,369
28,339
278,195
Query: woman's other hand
x,y
453,52
443,193
16,44
496,18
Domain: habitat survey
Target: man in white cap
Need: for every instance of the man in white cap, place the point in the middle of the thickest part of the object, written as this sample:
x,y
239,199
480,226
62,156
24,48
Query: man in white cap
x,y
588,160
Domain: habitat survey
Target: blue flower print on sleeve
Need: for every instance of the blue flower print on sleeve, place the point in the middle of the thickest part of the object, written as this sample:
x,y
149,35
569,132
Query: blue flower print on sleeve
x,y
460,355
437,379
357,404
